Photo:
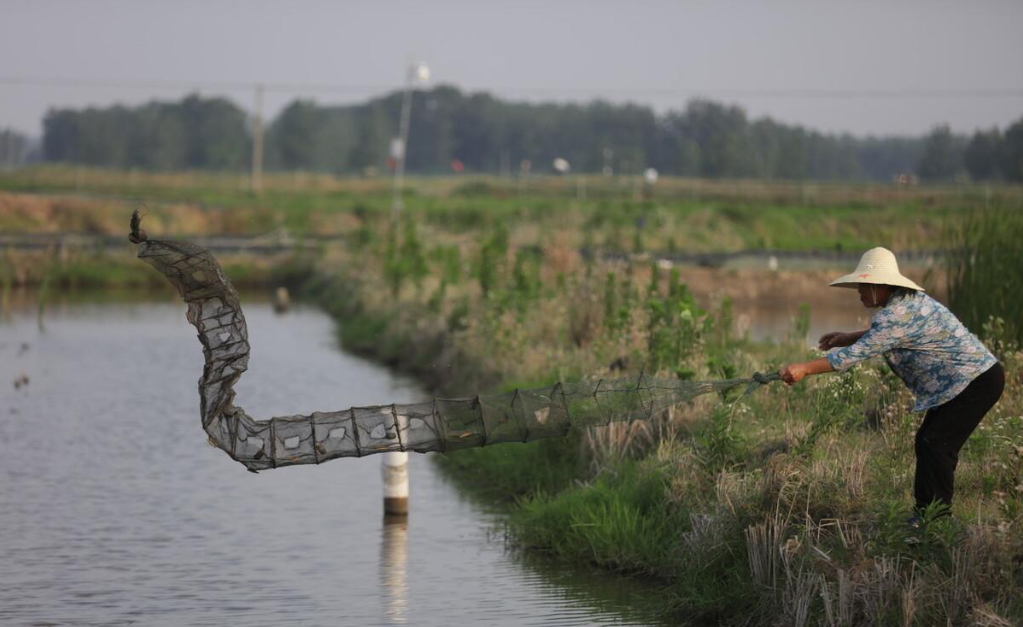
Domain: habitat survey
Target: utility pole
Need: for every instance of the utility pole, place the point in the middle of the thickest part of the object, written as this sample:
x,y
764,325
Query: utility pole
x,y
417,73
256,183
394,466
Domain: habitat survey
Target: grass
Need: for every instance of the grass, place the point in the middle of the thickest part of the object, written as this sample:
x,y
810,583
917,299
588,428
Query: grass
x,y
784,507
621,521
790,505
507,473
679,215
109,270
986,269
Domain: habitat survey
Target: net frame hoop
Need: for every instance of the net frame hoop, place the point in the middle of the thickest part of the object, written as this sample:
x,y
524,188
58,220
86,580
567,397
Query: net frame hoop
x,y
355,432
442,431
312,426
559,388
273,442
397,427
478,406
596,401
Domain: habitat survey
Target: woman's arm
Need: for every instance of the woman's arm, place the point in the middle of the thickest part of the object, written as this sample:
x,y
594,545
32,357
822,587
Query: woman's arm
x,y
837,339
794,373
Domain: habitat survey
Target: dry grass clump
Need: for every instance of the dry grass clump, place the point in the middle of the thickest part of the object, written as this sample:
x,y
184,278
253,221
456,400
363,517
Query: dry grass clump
x,y
60,213
820,572
45,214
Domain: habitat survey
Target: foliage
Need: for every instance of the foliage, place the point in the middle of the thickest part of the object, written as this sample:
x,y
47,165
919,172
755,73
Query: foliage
x,y
526,281
200,133
1012,157
717,443
983,156
505,473
617,304
14,149
942,157
984,269
674,326
492,257
784,507
705,139
404,257
621,521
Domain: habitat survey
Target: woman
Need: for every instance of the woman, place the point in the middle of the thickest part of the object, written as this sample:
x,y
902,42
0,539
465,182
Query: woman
x,y
955,379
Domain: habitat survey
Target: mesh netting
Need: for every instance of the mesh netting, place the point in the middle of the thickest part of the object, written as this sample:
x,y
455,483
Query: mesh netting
x,y
441,424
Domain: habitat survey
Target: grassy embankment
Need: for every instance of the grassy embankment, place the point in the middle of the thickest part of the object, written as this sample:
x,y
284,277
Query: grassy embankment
x,y
784,507
788,506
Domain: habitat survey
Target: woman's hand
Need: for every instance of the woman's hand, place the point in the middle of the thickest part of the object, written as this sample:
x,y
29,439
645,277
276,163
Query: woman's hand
x,y
834,339
793,373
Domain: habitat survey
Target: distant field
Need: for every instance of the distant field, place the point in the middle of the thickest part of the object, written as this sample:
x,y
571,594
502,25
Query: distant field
x,y
613,214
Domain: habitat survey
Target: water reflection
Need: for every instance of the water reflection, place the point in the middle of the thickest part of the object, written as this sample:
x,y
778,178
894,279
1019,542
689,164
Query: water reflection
x,y
394,568
777,321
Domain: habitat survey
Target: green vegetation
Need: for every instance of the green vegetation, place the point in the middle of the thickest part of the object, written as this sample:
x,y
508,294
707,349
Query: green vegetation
x,y
622,521
788,506
487,135
986,270
90,270
677,216
203,133
506,473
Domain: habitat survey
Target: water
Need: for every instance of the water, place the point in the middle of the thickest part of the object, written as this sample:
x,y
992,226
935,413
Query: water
x,y
114,510
776,321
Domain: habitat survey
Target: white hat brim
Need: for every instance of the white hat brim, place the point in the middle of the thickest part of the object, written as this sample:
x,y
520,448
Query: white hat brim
x,y
854,280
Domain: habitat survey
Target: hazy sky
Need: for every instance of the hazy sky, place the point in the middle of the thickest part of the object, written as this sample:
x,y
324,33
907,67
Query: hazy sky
x,y
866,67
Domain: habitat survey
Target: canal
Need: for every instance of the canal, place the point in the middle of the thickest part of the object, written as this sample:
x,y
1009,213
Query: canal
x,y
115,511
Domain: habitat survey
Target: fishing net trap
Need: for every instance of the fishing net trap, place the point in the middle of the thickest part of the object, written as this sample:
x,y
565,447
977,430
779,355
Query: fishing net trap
x,y
439,424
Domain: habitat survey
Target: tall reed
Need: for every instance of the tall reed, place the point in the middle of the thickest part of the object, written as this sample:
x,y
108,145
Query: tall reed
x,y
985,269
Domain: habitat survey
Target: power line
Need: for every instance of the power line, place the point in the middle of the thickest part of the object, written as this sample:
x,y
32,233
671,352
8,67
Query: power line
x,y
156,84
801,93
978,93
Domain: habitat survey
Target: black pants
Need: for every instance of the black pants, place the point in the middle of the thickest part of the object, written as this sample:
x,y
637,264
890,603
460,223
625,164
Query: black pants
x,y
945,430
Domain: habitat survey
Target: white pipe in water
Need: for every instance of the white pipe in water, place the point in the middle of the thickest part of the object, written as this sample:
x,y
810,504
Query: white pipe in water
x,y
394,470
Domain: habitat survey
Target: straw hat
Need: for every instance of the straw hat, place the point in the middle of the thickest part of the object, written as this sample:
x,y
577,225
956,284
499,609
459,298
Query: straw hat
x,y
877,266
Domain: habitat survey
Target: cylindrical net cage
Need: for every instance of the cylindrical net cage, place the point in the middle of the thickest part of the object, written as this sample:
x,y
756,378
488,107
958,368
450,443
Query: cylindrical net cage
x,y
442,424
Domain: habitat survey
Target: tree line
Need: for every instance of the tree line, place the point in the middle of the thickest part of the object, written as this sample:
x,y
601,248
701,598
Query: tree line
x,y
483,134
15,149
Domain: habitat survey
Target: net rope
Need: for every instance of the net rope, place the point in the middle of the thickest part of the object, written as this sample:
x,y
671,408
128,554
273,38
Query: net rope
x,y
439,424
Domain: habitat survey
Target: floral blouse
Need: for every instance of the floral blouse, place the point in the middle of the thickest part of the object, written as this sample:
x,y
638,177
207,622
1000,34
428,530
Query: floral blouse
x,y
925,345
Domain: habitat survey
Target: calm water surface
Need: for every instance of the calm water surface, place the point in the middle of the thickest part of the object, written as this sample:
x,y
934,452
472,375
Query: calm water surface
x,y
114,510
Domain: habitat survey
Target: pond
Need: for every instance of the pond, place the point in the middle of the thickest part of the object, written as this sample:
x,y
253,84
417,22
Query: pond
x,y
114,510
